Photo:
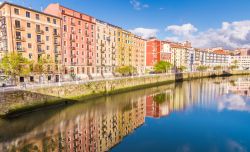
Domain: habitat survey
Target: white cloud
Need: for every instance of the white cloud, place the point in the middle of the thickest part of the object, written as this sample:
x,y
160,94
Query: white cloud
x,y
145,32
233,102
229,35
137,5
185,29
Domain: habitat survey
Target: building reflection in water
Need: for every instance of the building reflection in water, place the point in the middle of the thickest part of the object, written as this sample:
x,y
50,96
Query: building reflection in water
x,y
101,124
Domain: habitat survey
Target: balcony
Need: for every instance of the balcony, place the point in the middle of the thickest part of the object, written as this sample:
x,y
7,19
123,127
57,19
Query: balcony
x,y
20,39
20,49
72,40
40,41
41,51
73,63
19,28
72,55
73,48
58,61
39,31
57,43
56,34
57,52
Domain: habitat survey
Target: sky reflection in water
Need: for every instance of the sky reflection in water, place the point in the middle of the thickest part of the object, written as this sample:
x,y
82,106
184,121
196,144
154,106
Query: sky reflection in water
x,y
201,115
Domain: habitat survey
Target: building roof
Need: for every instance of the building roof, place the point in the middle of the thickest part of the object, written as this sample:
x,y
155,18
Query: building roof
x,y
33,10
221,52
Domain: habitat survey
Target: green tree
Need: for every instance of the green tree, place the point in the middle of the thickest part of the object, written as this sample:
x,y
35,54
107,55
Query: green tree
x,y
14,65
162,67
41,67
182,68
159,98
202,68
126,70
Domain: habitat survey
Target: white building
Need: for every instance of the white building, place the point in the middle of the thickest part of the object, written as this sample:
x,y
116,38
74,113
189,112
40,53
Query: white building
x,y
243,62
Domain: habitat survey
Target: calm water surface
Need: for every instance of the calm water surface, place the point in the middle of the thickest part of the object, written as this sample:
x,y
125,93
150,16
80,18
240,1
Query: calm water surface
x,y
202,115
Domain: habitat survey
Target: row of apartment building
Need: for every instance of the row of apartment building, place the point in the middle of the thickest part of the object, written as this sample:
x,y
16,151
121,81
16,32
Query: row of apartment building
x,y
77,43
83,46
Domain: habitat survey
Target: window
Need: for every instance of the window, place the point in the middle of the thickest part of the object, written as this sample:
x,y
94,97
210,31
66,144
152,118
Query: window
x,y
47,38
18,46
47,47
29,35
17,24
65,28
46,29
37,16
38,28
28,14
28,25
29,45
30,55
38,37
16,11
54,21
55,31
18,35
48,19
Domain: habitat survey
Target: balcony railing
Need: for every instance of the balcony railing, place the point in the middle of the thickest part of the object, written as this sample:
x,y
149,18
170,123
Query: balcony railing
x,y
39,31
40,51
19,38
57,43
19,28
57,52
40,41
20,49
56,34
73,63
72,55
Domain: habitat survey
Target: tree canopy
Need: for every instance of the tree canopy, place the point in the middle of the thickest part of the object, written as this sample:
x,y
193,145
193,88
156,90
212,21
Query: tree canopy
x,y
126,70
202,68
14,64
162,66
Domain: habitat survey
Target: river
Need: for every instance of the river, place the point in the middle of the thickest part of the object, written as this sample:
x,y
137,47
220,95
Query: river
x,y
211,114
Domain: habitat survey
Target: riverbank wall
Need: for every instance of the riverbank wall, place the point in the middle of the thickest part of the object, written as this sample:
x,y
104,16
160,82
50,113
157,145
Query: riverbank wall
x,y
16,102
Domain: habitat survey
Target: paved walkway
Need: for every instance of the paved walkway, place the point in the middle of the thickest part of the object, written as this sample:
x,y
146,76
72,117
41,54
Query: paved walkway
x,y
44,85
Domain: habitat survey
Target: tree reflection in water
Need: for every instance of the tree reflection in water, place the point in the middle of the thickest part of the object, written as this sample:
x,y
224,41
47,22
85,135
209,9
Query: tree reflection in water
x,y
100,124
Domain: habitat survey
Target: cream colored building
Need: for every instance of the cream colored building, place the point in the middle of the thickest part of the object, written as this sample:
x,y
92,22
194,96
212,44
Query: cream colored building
x,y
106,48
33,34
139,54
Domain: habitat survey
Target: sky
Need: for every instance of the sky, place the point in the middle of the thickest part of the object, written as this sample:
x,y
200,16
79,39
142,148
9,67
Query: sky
x,y
206,23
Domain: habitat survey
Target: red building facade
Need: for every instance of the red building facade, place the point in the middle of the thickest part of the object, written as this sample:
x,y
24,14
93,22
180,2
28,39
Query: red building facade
x,y
153,51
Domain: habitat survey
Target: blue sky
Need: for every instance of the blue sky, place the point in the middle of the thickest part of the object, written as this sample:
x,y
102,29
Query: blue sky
x,y
169,19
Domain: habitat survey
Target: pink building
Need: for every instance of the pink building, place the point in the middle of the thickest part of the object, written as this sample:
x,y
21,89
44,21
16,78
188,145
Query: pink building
x,y
78,42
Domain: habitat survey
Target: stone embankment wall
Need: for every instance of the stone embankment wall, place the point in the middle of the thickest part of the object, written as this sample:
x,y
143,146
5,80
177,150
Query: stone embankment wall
x,y
20,101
